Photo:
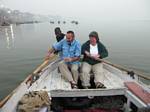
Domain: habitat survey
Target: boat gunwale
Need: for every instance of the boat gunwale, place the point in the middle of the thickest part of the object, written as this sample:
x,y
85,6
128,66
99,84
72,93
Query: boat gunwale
x,y
27,81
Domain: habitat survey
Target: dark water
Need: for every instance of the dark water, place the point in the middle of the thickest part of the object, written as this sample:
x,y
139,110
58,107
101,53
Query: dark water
x,y
23,47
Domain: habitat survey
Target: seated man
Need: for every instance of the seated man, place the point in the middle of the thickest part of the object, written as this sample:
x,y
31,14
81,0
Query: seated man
x,y
71,51
59,34
92,50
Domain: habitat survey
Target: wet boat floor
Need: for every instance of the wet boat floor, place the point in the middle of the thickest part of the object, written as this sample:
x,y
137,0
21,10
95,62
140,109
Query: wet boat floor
x,y
54,81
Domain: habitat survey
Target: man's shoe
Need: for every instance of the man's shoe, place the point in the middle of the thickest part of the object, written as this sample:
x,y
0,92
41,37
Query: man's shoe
x,y
85,87
100,85
73,85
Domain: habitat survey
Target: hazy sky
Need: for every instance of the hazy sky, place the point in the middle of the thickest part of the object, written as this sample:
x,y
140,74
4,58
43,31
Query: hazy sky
x,y
84,8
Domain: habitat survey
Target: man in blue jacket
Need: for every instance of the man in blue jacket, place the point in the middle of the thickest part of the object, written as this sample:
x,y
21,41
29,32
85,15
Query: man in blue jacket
x,y
70,53
92,50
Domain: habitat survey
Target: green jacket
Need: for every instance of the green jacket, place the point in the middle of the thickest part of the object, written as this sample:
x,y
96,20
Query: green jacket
x,y
101,50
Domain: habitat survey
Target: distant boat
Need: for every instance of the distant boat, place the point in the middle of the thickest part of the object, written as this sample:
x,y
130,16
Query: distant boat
x,y
52,22
64,22
124,90
74,22
5,24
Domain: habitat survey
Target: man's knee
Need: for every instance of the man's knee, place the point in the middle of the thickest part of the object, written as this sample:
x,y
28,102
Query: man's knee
x,y
62,65
84,69
74,68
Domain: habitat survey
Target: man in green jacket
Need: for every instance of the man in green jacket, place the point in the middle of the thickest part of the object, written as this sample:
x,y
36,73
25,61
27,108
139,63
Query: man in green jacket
x,y
92,50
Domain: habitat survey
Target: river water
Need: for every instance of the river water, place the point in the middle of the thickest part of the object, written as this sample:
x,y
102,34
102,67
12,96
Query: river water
x,y
23,47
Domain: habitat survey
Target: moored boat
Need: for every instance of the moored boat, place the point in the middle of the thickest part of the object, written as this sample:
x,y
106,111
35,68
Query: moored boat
x,y
124,90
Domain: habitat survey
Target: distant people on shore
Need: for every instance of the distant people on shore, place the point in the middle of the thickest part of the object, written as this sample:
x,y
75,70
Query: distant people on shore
x,y
92,50
70,50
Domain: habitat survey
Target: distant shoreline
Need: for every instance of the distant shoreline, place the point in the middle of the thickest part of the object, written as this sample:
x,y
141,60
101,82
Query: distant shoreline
x,y
19,23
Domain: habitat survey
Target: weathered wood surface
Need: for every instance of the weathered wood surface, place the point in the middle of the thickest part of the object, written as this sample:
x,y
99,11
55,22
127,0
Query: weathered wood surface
x,y
87,92
134,99
138,73
53,82
9,103
138,91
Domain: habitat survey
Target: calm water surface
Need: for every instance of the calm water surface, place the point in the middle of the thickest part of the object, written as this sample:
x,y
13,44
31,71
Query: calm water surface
x,y
23,47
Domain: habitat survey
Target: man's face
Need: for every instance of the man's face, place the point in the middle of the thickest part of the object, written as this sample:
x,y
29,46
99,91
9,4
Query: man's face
x,y
57,32
93,40
69,37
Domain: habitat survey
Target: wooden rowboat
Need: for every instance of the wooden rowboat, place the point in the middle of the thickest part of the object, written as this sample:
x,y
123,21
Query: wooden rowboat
x,y
118,80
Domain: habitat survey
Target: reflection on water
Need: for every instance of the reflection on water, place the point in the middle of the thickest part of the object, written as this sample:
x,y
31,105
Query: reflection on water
x,y
12,35
22,48
10,39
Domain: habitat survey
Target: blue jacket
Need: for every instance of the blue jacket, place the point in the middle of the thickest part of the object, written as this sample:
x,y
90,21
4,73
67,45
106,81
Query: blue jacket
x,y
68,50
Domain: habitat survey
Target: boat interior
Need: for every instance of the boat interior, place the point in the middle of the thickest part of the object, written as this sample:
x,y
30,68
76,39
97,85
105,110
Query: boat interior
x,y
118,96
116,91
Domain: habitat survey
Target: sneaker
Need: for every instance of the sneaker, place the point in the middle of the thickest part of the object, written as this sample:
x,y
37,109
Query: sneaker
x,y
100,85
85,87
73,85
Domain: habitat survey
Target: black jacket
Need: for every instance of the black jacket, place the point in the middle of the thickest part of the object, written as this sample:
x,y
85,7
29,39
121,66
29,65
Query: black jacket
x,y
101,50
59,37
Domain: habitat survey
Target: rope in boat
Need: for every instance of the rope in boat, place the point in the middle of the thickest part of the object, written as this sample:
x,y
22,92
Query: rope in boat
x,y
34,101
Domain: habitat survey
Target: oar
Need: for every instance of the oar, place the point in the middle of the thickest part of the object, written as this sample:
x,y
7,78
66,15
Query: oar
x,y
44,64
40,67
35,72
132,72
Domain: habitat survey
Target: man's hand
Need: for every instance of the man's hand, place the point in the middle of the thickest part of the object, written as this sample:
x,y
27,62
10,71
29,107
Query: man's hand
x,y
68,59
49,55
87,53
95,56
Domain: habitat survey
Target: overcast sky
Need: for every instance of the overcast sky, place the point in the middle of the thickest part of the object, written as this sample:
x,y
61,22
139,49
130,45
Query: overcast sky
x,y
84,8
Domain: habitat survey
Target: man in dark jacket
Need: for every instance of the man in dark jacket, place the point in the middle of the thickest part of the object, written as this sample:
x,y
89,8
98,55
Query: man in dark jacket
x,y
59,34
92,50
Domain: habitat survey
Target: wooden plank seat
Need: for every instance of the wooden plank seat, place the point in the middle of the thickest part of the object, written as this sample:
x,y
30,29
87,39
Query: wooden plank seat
x,y
138,91
92,110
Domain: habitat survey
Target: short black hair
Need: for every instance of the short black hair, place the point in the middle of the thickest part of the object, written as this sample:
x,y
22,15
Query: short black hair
x,y
70,32
57,30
